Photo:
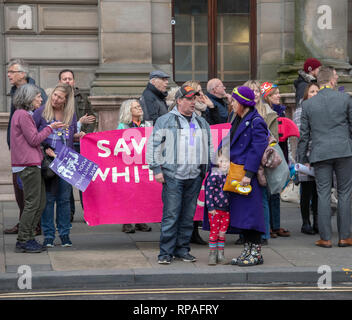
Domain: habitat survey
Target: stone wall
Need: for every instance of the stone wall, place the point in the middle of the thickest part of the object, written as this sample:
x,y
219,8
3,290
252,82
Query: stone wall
x,y
275,34
51,35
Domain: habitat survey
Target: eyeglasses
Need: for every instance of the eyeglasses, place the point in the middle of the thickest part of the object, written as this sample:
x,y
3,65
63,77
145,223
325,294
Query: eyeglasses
x,y
220,85
13,71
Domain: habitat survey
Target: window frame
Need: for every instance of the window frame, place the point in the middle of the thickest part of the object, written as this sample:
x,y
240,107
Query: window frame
x,y
212,42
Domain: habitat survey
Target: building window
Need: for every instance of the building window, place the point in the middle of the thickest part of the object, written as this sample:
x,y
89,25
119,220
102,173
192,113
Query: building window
x,y
214,39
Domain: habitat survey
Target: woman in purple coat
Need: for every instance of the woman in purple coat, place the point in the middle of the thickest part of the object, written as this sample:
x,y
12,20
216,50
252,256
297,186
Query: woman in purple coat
x,y
248,141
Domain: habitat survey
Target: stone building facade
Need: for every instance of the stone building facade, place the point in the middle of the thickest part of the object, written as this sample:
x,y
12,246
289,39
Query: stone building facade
x,y
112,45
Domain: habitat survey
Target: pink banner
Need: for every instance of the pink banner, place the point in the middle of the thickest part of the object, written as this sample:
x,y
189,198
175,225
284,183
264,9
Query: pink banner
x,y
123,189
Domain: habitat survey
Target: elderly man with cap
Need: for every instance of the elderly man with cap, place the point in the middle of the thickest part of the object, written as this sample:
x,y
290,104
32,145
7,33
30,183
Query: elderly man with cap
x,y
178,153
309,74
153,99
247,142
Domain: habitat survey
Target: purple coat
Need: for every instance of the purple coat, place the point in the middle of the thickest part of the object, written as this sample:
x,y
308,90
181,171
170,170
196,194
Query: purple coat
x,y
247,148
54,140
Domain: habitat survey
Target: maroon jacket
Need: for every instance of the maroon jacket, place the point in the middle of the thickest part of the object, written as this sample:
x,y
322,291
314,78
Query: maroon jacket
x,y
25,140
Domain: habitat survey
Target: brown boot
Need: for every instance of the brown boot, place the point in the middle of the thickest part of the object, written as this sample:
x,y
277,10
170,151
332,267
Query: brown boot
x,y
13,230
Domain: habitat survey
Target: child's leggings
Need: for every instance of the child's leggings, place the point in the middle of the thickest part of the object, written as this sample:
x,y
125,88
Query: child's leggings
x,y
218,223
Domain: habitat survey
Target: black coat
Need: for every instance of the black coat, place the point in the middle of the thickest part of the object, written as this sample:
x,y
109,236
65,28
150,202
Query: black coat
x,y
153,103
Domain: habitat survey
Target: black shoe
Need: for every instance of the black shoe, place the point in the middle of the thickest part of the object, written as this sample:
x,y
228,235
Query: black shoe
x,y
240,241
307,229
196,238
187,258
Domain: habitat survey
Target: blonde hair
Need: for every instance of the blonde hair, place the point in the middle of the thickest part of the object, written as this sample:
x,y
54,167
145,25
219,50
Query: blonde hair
x,y
193,83
260,106
69,108
272,92
126,113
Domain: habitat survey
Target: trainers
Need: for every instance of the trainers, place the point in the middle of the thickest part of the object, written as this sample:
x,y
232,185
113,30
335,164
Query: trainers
x,y
30,246
142,227
164,260
128,228
20,247
187,258
48,243
65,241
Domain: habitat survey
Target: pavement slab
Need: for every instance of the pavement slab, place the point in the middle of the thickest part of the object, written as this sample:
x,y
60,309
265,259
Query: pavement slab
x,y
104,254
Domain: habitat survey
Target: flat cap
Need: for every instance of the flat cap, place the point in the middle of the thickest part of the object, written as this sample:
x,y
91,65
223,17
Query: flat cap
x,y
158,74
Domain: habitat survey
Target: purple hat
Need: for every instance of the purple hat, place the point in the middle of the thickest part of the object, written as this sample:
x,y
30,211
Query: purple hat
x,y
245,96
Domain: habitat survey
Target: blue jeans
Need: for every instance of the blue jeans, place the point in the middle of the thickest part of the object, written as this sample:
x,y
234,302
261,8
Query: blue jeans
x,y
180,202
266,213
63,211
274,204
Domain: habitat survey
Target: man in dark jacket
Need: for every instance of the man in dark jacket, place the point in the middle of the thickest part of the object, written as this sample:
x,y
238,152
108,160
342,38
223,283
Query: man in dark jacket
x,y
17,73
220,99
307,75
153,97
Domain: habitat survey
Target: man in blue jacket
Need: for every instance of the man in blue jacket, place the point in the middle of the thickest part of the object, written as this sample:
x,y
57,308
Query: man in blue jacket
x,y
17,73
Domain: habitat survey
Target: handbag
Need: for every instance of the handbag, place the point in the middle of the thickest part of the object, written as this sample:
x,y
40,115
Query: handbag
x,y
236,172
278,177
291,193
47,173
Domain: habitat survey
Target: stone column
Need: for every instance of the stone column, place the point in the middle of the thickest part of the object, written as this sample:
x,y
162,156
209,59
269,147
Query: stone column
x,y
321,31
126,55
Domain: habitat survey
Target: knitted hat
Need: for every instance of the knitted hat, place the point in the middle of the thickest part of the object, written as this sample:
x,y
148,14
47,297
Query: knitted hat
x,y
266,88
311,64
245,96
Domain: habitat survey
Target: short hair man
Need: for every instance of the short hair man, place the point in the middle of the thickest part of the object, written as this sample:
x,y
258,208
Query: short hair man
x,y
309,74
18,75
83,108
86,122
219,97
178,152
327,120
153,99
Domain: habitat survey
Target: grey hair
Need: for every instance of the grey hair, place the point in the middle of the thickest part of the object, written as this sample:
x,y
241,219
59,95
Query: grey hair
x,y
22,66
24,96
125,111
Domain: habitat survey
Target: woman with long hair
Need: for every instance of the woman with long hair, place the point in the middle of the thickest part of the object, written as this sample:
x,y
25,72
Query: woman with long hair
x,y
59,107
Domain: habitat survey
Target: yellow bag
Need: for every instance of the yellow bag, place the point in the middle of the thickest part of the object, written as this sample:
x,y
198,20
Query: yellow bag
x,y
236,172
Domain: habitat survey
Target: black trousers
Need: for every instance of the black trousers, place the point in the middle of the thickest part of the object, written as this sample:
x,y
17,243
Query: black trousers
x,y
308,194
252,236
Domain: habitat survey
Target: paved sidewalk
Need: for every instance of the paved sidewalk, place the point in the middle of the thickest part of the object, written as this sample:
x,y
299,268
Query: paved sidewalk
x,y
104,255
